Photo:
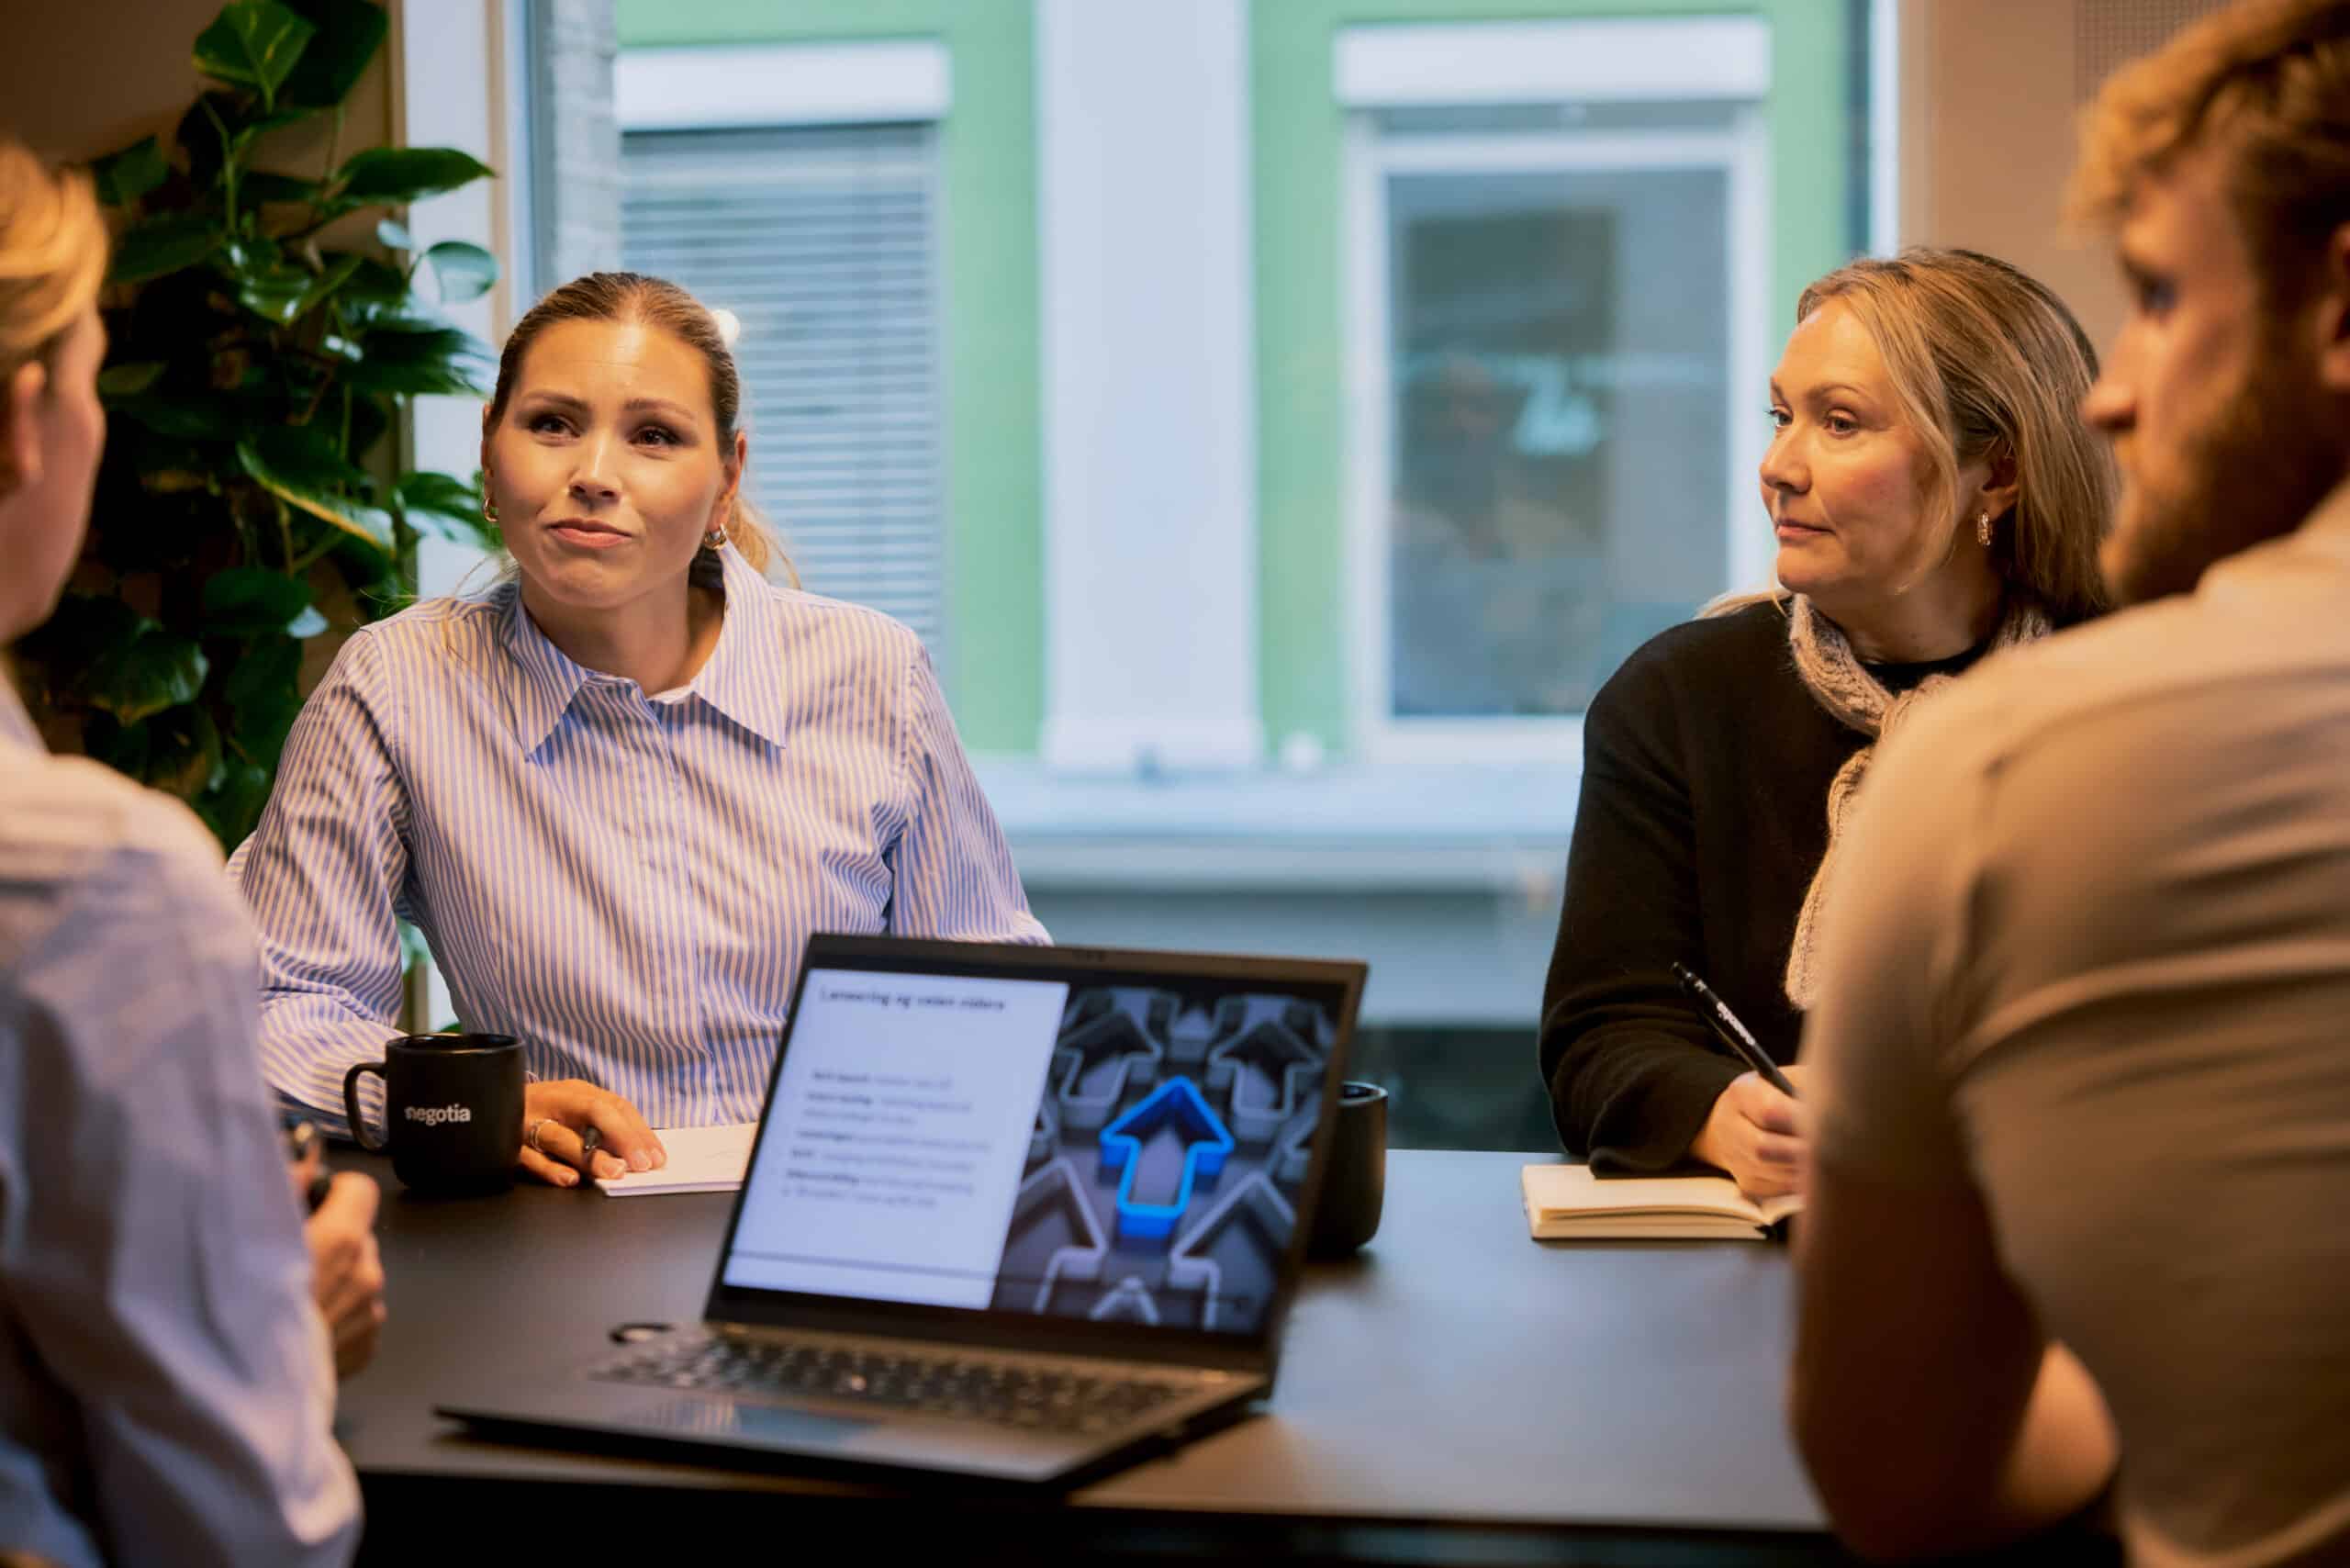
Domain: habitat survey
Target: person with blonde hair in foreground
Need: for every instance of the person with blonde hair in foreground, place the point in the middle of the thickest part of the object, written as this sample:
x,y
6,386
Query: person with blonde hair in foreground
x,y
2079,1064
166,1383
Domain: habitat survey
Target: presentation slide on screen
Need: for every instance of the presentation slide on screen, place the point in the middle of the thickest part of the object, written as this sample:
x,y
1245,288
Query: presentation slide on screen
x,y
1121,1151
898,1135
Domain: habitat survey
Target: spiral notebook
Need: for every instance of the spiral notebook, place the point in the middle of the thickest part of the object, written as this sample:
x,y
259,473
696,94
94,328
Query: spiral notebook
x,y
1567,1203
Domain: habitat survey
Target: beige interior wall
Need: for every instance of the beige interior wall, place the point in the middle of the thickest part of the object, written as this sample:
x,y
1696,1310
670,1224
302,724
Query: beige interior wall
x,y
1989,93
83,78
1988,140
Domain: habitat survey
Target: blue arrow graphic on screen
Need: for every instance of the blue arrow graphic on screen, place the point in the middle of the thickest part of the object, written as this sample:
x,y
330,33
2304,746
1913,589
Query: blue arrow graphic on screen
x,y
1207,1146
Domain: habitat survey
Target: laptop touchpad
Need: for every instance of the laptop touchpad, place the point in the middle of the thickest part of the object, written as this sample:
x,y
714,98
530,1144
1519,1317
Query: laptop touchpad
x,y
758,1423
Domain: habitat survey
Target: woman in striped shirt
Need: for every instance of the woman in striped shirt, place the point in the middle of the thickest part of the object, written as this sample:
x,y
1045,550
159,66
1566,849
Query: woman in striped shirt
x,y
618,792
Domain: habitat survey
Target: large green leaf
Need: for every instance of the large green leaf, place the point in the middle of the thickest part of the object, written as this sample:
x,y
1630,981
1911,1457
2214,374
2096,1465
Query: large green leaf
x,y
339,271
260,125
185,416
443,495
349,33
233,805
264,694
127,175
450,507
465,271
251,255
118,382
145,673
277,296
304,475
444,360
260,185
162,245
391,174
248,601
308,455
378,292
255,44
286,293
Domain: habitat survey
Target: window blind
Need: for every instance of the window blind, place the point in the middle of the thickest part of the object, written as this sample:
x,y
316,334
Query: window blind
x,y
823,240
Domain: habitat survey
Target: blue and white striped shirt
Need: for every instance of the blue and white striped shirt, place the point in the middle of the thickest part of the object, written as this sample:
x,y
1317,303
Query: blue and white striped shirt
x,y
626,882
167,1386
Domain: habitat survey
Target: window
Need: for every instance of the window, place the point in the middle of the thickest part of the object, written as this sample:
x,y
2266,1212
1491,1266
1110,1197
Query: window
x,y
1319,398
1553,328
822,241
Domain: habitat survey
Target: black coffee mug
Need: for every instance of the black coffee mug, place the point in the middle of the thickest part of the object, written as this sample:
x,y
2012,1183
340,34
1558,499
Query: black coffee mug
x,y
1354,1188
453,1110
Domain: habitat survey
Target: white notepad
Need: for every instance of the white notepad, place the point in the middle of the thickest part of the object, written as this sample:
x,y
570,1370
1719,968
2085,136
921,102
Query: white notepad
x,y
701,1159
1567,1203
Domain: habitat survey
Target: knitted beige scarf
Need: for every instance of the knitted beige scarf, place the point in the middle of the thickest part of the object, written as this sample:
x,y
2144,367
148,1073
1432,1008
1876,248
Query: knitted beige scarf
x,y
1843,686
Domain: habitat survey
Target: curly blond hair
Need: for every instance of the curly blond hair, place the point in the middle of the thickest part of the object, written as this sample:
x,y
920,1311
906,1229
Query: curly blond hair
x,y
2266,86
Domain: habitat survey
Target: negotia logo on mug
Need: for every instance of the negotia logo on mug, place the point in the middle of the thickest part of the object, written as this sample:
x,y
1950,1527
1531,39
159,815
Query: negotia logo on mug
x,y
434,1115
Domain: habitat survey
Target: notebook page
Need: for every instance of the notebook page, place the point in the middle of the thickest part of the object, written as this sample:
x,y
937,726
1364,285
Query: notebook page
x,y
701,1159
1568,1197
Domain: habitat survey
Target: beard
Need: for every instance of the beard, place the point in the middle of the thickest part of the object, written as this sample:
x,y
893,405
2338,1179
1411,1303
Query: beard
x,y
2254,470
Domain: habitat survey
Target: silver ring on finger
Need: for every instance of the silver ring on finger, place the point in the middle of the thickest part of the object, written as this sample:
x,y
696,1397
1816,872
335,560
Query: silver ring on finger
x,y
531,1134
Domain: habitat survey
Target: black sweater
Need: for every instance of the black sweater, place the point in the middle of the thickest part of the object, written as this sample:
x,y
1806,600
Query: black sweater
x,y
1703,815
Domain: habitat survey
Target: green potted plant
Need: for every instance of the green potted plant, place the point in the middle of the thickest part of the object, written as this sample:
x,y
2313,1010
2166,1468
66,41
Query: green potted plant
x,y
251,498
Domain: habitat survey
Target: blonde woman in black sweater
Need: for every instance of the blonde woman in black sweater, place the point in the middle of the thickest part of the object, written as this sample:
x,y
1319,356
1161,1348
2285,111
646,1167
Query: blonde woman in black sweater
x,y
1934,496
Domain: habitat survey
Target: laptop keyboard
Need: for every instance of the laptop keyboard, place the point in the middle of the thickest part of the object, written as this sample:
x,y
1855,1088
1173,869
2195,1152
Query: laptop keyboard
x,y
1008,1394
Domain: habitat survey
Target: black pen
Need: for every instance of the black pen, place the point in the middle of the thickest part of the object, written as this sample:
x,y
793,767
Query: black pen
x,y
1733,1033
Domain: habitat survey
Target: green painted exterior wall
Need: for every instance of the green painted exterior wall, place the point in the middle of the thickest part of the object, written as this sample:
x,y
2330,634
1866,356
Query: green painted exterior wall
x,y
994,456
1298,132
994,480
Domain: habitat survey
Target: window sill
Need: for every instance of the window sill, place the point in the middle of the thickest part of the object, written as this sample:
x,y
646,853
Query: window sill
x,y
1416,827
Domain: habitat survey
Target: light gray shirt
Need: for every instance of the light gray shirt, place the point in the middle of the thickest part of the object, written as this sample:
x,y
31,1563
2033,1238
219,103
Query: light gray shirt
x,y
2093,957
166,1385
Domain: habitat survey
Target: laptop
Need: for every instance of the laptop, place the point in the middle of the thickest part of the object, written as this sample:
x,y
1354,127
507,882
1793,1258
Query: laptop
x,y
1019,1214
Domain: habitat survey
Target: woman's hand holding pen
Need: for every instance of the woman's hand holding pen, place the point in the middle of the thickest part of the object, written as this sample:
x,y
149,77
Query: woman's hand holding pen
x,y
346,1268
1755,1132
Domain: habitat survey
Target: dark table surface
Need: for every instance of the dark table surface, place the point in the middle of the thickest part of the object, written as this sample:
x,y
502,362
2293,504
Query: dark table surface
x,y
1457,1392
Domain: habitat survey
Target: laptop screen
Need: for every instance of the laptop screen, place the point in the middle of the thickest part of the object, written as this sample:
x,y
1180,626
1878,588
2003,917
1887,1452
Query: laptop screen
x,y
1127,1149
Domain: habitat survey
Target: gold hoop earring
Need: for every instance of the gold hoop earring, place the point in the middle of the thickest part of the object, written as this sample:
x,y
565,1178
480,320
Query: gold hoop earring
x,y
1983,530
715,539
488,509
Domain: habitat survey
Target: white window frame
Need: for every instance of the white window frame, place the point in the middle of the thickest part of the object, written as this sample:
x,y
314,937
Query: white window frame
x,y
461,80
1492,74
797,87
854,82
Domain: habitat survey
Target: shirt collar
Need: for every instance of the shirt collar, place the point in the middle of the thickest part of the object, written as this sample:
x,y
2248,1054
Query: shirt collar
x,y
732,680
17,731
550,679
740,679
